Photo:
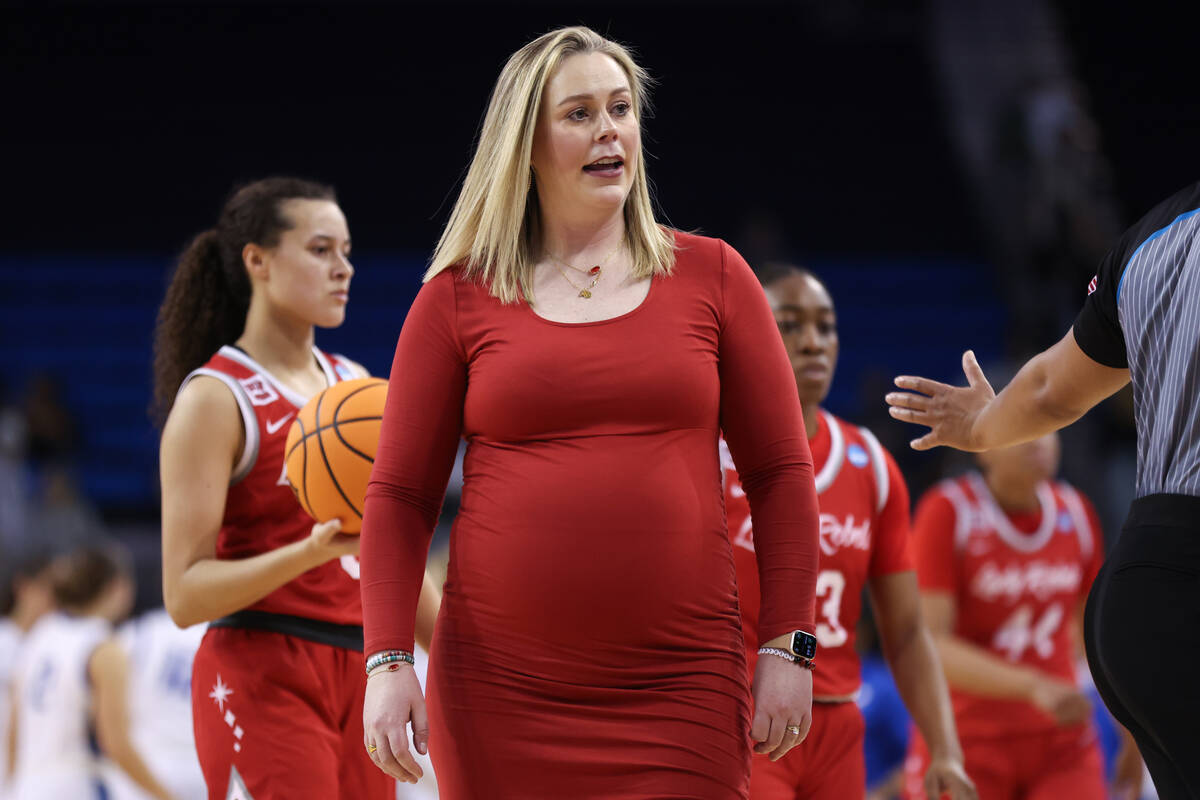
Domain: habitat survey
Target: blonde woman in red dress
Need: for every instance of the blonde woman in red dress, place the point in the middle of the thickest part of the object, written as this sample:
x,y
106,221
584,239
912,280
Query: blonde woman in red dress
x,y
589,644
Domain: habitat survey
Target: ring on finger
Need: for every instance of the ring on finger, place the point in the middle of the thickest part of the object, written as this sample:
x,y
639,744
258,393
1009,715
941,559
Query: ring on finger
x,y
794,730
371,749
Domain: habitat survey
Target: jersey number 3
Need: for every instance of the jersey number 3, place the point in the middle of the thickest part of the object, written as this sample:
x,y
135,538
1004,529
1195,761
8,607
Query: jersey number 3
x,y
831,585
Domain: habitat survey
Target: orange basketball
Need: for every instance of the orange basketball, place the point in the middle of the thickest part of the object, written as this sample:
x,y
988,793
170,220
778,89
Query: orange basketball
x,y
331,447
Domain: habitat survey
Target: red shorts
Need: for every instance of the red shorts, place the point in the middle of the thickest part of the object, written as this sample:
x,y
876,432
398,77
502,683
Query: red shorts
x,y
827,765
1053,765
280,717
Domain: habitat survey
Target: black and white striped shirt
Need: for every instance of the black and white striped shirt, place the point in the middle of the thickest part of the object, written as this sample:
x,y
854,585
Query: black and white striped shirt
x,y
1143,312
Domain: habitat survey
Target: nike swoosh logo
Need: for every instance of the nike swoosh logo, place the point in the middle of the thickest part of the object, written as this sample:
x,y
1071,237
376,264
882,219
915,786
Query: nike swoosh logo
x,y
277,424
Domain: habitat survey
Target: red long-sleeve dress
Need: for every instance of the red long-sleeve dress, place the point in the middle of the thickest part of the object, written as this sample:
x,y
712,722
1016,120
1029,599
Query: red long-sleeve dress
x,y
588,644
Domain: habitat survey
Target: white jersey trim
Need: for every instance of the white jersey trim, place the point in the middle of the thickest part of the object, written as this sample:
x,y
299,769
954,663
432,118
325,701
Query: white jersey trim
x,y
249,453
879,466
837,453
962,512
326,367
1083,526
291,395
1026,543
354,367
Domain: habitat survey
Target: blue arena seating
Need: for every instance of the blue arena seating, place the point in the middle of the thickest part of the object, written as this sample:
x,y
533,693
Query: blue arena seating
x,y
89,320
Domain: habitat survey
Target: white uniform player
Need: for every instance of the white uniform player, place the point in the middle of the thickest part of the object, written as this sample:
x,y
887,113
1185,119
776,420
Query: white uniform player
x,y
10,641
53,697
160,707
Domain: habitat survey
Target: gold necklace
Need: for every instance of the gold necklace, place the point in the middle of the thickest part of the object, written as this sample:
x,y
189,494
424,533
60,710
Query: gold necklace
x,y
593,273
584,291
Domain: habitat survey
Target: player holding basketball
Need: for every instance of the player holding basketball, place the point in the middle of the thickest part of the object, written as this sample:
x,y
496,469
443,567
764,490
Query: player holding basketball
x,y
863,504
277,683
1005,559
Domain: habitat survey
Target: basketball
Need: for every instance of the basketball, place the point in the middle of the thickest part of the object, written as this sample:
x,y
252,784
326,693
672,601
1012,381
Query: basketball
x,y
331,448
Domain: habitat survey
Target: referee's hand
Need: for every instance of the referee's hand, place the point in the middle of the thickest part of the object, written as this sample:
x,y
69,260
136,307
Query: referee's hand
x,y
950,412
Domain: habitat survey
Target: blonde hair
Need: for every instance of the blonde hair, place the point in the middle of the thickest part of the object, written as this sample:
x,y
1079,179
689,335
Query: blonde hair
x,y
493,231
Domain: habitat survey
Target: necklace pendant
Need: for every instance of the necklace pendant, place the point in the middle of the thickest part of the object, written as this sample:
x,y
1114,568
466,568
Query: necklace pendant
x,y
594,270
585,294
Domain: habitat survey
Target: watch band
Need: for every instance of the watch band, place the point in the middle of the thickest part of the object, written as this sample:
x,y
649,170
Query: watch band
x,y
807,663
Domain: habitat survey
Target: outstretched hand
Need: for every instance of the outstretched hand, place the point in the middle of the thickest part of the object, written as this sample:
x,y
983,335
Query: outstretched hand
x,y
950,412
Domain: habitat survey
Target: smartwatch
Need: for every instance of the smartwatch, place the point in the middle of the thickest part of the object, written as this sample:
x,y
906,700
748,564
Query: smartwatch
x,y
803,645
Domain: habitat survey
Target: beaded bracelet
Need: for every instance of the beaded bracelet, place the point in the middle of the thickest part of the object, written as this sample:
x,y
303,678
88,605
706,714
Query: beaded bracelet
x,y
807,663
384,657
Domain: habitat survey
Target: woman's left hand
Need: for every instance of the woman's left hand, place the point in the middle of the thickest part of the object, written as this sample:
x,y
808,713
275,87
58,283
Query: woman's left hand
x,y
782,700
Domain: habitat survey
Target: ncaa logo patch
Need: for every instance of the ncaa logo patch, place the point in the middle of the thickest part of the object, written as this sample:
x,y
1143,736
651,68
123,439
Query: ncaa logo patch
x,y
1065,523
343,371
857,455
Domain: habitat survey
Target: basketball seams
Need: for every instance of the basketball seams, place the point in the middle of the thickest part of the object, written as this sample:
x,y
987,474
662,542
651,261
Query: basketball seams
x,y
338,422
303,466
337,432
319,428
347,455
328,469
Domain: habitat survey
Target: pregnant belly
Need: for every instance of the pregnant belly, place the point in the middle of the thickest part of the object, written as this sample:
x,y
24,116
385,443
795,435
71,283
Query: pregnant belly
x,y
630,554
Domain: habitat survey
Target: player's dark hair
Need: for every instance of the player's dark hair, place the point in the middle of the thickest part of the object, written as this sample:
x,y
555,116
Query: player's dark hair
x,y
773,271
23,565
80,576
209,294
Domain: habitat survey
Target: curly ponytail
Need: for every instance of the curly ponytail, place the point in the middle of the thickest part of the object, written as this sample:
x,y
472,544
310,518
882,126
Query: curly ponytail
x,y
209,294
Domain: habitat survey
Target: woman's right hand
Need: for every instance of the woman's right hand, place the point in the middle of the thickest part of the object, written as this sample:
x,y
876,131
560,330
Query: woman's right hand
x,y
327,542
393,700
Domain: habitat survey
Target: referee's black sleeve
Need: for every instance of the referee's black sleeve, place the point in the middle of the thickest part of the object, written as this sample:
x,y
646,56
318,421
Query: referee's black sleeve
x,y
1098,328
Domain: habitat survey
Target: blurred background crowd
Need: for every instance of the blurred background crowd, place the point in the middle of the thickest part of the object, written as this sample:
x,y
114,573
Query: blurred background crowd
x,y
952,169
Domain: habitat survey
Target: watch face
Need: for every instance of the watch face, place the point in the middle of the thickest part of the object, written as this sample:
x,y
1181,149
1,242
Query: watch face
x,y
804,644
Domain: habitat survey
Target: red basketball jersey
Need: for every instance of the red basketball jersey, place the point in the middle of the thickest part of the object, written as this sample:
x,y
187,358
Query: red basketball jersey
x,y
1017,580
261,512
863,533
